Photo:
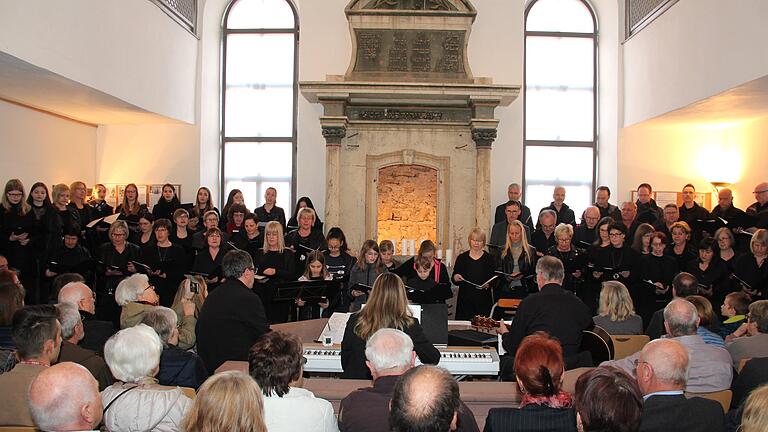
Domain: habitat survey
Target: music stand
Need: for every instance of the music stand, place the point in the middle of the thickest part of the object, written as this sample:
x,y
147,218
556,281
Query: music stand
x,y
314,290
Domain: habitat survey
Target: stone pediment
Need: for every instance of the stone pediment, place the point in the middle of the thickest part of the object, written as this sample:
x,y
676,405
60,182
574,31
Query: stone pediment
x,y
416,7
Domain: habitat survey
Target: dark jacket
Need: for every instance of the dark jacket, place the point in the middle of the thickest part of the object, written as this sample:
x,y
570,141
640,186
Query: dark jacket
x,y
88,359
367,409
553,310
525,215
181,368
538,418
752,375
353,349
648,213
665,413
611,211
231,320
565,215
96,332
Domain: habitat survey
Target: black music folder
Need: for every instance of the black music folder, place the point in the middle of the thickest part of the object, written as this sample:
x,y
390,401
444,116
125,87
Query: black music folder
x,y
314,290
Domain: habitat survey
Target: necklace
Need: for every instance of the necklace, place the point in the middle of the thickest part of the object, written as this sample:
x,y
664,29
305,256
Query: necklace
x,y
162,252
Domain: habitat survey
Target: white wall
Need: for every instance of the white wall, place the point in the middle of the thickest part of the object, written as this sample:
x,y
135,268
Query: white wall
x,y
41,147
696,49
129,49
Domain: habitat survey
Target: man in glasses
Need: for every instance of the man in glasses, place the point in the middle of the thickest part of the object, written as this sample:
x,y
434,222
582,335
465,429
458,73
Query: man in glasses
x,y
759,210
96,331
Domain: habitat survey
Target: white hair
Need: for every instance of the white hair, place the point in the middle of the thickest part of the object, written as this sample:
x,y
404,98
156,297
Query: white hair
x,y
56,401
72,293
670,360
163,320
681,317
130,288
389,349
69,318
133,353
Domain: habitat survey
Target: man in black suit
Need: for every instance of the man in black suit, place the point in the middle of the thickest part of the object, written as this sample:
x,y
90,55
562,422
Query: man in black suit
x,y
661,372
602,195
585,234
553,310
232,317
96,331
563,213
514,193
512,212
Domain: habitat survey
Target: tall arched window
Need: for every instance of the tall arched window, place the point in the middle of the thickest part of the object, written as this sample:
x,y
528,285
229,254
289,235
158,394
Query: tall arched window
x,y
560,115
259,99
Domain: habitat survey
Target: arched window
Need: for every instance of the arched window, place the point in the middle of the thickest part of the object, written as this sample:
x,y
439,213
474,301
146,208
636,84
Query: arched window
x,y
259,92
560,114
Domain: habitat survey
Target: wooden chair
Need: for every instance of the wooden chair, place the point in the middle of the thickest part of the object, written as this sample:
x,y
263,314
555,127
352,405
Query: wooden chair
x,y
626,345
742,362
189,392
723,397
17,429
506,303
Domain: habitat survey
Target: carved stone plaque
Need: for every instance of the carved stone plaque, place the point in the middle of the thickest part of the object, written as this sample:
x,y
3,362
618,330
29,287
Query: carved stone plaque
x,y
438,52
421,115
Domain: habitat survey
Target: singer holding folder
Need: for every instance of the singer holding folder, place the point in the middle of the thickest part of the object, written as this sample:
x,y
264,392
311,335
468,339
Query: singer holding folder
x,y
471,272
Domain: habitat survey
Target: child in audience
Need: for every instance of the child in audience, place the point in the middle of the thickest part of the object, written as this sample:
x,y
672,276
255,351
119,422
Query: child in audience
x,y
425,288
387,251
315,271
734,309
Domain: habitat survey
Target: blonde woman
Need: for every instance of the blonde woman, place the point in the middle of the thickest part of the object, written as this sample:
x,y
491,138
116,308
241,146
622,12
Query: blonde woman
x,y
387,307
187,303
616,312
517,261
230,401
471,270
277,263
755,417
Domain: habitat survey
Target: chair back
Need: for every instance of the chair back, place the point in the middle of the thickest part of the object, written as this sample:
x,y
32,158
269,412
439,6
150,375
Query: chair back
x,y
626,345
742,362
17,429
723,397
189,392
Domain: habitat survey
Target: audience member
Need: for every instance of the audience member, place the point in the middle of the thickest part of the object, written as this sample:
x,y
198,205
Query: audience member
x,y
72,332
233,317
137,403
755,418
616,312
37,336
192,290
389,354
425,399
544,405
96,331
177,367
706,321
276,362
735,308
751,339
11,300
136,296
752,375
227,401
662,371
65,397
607,399
710,366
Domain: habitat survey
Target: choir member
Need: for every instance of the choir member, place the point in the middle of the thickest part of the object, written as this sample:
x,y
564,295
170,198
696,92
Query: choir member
x,y
77,202
655,273
144,236
726,244
303,202
269,211
210,220
69,256
642,240
617,261
586,233
98,202
563,213
647,210
235,218
315,271
113,265
517,262
573,261
60,202
602,195
167,203
427,249
387,252
339,263
512,211
46,222
276,262
710,272
470,272
305,238
131,209
681,249
203,204
423,289
671,215
251,239
17,225
725,209
690,211
629,217
208,260
544,237
514,193
750,269
364,273
180,233
759,210
166,261
235,197
591,286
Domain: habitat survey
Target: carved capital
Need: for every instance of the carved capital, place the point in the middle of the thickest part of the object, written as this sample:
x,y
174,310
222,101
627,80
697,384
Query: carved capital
x,y
333,134
483,137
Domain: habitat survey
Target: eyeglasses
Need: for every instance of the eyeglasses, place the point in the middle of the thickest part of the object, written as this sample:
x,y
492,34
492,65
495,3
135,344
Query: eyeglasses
x,y
15,194
755,192
150,286
614,234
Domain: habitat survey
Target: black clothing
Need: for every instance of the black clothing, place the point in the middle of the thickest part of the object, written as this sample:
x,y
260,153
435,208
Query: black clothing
x,y
100,209
132,219
682,260
428,291
284,265
340,268
655,327
509,287
210,266
531,418
525,215
83,216
611,211
21,257
170,260
230,322
752,375
187,244
96,332
317,226
472,300
302,246
758,215
353,349
49,231
565,215
611,261
573,261
75,260
665,413
277,214
745,268
250,245
734,216
135,238
499,234
108,257
540,241
652,268
554,310
164,209
715,276
648,213
584,237
689,215
181,368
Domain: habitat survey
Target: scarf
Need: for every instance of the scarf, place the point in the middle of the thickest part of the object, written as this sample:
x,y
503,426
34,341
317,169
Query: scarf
x,y
560,399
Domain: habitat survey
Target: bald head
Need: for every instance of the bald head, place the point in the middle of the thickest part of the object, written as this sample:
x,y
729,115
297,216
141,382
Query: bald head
x,y
591,216
426,398
668,361
389,352
761,193
681,318
65,397
78,294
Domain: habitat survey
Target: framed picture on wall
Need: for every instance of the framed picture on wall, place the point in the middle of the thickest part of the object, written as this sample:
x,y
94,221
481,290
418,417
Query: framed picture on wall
x,y
155,191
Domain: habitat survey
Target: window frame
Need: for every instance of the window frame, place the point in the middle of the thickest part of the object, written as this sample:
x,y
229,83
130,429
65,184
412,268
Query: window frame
x,y
223,139
593,144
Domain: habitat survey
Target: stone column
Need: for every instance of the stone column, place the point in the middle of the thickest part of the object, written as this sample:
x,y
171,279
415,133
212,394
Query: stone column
x,y
333,136
483,138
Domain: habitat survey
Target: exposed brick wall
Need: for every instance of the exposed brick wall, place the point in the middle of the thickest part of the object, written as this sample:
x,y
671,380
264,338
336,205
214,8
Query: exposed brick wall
x,y
407,204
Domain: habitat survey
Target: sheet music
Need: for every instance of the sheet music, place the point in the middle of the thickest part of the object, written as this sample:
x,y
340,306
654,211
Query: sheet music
x,y
335,327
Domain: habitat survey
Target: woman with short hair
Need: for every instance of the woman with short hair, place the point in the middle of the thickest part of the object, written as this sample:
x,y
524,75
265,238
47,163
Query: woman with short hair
x,y
167,261
616,312
114,262
208,261
573,261
387,307
137,403
681,249
751,269
136,296
544,404
305,238
304,202
710,272
227,401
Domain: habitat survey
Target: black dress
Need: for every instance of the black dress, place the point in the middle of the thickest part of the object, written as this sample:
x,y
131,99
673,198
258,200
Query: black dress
x,y
684,258
109,258
653,269
21,257
745,268
170,260
101,209
72,260
207,265
428,291
340,268
715,276
302,246
164,209
471,300
277,214
283,263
